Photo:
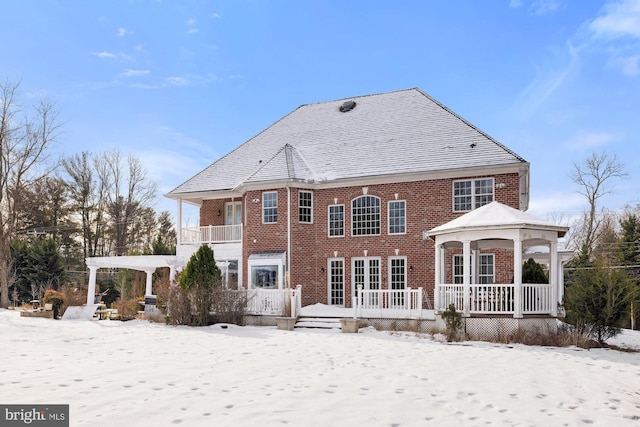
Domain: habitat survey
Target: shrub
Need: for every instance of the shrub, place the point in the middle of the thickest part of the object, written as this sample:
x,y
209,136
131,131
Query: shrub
x,y
56,299
453,323
127,308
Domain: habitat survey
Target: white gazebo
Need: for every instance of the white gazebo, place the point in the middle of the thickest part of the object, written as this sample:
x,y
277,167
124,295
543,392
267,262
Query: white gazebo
x,y
509,231
146,263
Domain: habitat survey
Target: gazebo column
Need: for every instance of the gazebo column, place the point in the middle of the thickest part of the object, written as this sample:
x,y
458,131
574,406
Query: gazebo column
x,y
91,291
466,271
517,277
553,277
149,291
438,278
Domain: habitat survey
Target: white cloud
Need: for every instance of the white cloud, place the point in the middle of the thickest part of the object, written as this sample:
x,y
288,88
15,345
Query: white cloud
x,y
629,65
515,3
547,80
541,7
123,32
592,139
176,81
103,54
561,207
618,20
134,73
193,31
215,15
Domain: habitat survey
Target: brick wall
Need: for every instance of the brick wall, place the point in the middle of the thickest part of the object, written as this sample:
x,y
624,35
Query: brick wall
x,y
428,204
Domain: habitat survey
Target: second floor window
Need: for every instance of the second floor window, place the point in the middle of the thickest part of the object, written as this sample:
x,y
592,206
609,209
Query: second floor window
x,y
270,207
397,217
365,216
305,206
471,194
336,220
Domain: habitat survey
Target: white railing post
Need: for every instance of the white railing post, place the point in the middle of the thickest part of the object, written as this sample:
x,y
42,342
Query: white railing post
x,y
293,303
419,302
299,298
357,301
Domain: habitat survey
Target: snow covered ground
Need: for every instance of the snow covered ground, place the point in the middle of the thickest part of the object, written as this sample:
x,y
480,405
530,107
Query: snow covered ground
x,y
143,374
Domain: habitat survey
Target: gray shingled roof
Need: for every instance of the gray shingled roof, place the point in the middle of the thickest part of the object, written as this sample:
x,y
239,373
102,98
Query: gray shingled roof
x,y
405,131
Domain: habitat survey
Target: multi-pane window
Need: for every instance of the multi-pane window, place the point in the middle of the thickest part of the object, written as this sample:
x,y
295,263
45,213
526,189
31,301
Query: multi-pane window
x,y
486,269
471,194
397,217
365,216
336,281
269,207
336,220
305,206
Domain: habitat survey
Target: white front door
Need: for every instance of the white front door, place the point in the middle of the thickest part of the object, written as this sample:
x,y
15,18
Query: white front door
x,y
365,272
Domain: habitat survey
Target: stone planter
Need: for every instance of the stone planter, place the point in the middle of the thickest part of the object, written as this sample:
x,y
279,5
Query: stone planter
x,y
349,326
286,323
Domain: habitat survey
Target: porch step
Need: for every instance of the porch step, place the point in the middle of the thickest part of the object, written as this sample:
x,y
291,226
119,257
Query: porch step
x,y
318,323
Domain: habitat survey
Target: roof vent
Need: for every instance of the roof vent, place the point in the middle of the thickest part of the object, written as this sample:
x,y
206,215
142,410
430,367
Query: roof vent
x,y
347,106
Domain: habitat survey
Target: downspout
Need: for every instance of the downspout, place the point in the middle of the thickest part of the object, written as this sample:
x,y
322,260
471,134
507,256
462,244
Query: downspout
x,y
288,235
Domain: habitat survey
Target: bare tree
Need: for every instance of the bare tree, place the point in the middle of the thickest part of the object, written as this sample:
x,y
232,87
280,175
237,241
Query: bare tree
x,y
594,179
24,144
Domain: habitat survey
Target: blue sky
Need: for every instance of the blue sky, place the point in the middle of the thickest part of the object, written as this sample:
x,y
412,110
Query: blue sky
x,y
180,83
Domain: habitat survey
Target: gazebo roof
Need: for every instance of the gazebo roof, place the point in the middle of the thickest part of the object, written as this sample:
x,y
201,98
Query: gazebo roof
x,y
495,215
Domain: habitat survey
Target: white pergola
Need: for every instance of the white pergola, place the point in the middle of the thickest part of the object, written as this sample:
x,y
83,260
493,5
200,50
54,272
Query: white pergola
x,y
496,225
146,263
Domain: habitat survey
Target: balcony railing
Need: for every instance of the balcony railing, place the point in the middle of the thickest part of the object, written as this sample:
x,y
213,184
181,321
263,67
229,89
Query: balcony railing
x,y
212,234
497,298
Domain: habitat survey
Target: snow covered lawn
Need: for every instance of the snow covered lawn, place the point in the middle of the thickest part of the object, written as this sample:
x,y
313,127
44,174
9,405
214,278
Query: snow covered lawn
x,y
142,374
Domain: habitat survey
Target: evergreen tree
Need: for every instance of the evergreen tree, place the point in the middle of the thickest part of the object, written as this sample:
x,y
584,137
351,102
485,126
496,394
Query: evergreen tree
x,y
200,276
532,272
599,300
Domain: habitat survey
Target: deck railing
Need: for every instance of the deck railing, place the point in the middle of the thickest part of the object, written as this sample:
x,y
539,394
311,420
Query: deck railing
x,y
388,303
275,302
497,298
212,234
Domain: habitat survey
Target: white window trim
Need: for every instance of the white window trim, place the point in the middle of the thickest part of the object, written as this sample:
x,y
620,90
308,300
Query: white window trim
x,y
263,207
406,269
344,284
367,259
389,217
379,219
329,221
278,261
310,207
475,273
473,192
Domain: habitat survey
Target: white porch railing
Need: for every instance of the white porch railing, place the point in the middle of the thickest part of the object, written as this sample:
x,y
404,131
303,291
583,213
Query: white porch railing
x,y
497,298
275,302
388,303
212,234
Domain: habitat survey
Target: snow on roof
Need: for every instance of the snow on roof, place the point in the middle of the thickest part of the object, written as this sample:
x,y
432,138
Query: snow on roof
x,y
405,131
495,215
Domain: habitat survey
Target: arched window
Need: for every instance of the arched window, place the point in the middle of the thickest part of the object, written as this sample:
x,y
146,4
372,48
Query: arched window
x,y
365,216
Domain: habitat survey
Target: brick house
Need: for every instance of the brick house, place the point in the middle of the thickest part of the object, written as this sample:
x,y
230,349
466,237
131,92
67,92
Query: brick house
x,y
340,197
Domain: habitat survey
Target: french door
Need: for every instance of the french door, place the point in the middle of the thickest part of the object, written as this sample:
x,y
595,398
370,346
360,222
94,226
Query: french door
x,y
366,273
233,213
